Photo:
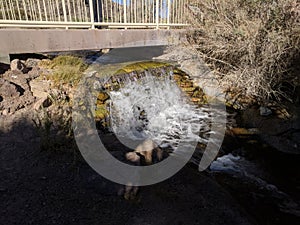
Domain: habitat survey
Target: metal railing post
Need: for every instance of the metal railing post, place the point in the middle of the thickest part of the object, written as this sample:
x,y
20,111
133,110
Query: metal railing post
x,y
125,12
91,5
64,11
169,13
157,14
152,14
25,10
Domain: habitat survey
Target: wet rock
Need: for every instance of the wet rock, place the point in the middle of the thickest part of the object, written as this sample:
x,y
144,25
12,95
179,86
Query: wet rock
x,y
102,97
238,131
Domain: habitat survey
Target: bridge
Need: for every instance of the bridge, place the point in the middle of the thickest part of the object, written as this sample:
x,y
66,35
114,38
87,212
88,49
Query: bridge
x,y
31,26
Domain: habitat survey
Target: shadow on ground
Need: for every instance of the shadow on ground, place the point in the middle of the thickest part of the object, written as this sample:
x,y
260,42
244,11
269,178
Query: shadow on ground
x,y
53,187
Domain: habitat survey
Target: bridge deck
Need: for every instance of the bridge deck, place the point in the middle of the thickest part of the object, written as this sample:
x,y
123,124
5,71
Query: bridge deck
x,y
51,40
79,18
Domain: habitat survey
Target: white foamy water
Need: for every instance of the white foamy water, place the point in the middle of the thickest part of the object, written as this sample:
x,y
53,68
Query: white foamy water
x,y
156,108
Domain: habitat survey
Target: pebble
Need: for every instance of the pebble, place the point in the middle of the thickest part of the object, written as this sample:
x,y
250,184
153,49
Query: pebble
x,y
5,112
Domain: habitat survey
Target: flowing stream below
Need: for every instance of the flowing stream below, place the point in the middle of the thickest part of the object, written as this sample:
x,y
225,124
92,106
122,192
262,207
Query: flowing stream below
x,y
264,181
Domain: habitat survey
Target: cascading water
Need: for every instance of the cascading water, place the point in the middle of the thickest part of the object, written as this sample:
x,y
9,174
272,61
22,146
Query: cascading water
x,y
154,107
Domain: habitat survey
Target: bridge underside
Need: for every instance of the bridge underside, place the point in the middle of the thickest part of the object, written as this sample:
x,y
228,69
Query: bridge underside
x,y
15,41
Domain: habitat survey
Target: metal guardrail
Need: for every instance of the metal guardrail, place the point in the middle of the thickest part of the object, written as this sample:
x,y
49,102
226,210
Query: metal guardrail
x,y
93,13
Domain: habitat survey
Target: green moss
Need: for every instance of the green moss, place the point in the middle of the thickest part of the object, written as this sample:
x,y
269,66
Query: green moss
x,y
140,66
100,112
66,70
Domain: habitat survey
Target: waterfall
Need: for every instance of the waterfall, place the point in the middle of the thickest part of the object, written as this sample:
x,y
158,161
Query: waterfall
x,y
154,107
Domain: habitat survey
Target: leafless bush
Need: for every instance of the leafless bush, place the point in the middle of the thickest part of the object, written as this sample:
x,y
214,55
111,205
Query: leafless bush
x,y
252,45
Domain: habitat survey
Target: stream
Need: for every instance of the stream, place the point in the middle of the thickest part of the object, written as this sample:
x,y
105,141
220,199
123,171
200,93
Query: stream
x,y
262,180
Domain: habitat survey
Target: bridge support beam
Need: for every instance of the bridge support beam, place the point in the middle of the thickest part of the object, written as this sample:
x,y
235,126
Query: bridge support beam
x,y
44,40
4,58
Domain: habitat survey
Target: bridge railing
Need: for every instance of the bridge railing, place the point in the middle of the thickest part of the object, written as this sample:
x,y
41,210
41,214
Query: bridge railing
x,y
93,13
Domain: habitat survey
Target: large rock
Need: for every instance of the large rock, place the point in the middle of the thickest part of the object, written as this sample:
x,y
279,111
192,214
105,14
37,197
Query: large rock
x,y
13,97
40,88
17,65
9,90
18,78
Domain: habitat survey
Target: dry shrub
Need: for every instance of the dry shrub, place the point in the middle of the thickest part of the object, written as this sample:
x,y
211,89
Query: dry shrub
x,y
252,45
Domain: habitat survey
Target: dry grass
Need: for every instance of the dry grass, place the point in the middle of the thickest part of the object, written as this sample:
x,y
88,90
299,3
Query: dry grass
x,y
66,70
252,45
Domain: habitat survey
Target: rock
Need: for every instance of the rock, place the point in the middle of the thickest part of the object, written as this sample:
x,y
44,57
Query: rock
x,y
102,97
284,143
5,112
9,90
281,134
39,88
42,103
14,94
11,105
105,50
264,111
18,78
31,63
238,131
16,64
34,73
